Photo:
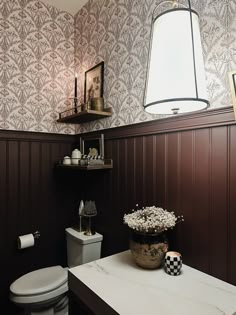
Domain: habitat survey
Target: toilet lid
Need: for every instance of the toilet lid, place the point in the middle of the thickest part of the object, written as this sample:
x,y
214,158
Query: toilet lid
x,y
40,281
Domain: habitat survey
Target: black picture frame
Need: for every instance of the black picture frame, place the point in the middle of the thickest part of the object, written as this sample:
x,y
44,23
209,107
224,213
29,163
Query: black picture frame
x,y
232,81
96,142
93,82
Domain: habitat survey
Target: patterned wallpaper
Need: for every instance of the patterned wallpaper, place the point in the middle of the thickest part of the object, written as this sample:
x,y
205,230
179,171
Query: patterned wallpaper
x,y
218,31
38,47
37,65
117,31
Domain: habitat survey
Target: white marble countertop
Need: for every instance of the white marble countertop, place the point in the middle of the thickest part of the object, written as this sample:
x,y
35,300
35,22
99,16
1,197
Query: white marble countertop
x,y
115,285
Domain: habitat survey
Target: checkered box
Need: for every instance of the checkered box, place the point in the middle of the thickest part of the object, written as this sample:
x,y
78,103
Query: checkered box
x,y
173,263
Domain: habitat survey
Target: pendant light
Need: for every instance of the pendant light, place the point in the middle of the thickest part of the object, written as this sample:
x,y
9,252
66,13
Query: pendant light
x,y
175,82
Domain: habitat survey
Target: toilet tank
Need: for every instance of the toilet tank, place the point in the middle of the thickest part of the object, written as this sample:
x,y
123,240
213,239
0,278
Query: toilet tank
x,y
81,248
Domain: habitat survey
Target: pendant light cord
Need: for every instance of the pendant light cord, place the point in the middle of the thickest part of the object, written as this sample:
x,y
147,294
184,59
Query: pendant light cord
x,y
193,48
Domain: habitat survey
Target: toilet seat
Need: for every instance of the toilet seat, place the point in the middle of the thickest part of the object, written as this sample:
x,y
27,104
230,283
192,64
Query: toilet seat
x,y
39,285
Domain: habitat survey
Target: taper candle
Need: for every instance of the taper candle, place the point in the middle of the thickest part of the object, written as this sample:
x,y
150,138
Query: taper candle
x,y
76,85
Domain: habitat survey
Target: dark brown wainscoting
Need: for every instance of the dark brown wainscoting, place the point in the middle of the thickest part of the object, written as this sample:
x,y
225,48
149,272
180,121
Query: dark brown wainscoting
x,y
186,164
33,197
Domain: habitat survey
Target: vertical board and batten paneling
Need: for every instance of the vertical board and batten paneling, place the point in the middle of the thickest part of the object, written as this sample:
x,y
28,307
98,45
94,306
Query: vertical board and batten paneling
x,y
131,174
219,202
29,201
139,155
148,172
231,211
186,191
201,195
161,163
186,164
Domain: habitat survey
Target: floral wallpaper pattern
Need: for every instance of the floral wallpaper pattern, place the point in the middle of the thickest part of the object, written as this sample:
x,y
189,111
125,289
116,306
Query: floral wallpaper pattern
x,y
39,44
218,31
118,31
37,65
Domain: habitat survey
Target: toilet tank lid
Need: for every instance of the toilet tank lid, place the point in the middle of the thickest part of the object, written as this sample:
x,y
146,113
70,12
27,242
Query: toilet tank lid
x,y
39,281
83,239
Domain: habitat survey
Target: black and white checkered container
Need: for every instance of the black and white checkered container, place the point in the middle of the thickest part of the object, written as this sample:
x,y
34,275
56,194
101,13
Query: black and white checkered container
x,y
173,263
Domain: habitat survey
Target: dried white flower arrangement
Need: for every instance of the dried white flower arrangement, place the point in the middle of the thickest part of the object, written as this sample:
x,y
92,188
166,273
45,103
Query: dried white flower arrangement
x,y
151,220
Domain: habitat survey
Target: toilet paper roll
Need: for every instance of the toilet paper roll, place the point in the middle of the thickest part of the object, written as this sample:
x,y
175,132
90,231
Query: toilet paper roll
x,y
25,241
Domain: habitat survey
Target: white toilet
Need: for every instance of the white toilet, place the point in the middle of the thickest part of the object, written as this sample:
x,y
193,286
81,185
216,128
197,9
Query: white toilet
x,y
43,291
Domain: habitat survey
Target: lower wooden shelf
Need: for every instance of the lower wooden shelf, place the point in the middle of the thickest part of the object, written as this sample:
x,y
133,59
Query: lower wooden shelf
x,y
108,164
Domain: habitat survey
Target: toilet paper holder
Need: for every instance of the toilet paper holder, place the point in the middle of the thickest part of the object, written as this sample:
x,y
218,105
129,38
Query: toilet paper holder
x,y
36,234
27,240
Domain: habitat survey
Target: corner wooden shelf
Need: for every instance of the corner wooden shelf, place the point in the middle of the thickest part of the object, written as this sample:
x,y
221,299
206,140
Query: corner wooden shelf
x,y
86,116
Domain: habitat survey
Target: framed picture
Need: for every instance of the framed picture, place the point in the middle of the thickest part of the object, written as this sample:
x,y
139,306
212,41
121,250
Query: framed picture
x,y
93,83
232,81
93,146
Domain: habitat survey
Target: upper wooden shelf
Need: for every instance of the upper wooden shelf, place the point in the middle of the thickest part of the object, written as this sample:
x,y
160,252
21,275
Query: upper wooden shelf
x,y
85,116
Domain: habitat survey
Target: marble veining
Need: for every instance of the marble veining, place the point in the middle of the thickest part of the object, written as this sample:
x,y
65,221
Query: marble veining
x,y
128,289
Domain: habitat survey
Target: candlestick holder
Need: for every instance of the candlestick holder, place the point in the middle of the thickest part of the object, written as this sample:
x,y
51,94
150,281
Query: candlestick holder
x,y
75,105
